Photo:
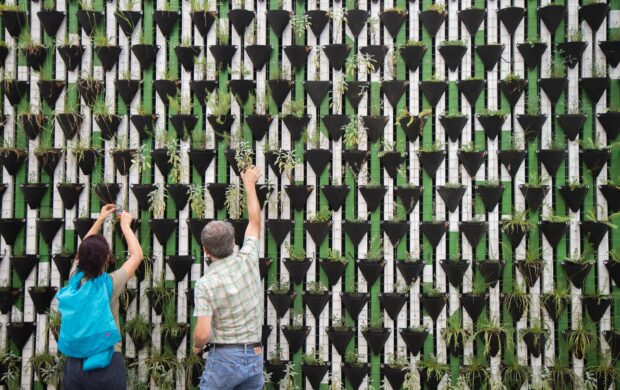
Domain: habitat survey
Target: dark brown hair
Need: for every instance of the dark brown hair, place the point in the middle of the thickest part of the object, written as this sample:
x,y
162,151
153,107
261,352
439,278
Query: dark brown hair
x,y
93,254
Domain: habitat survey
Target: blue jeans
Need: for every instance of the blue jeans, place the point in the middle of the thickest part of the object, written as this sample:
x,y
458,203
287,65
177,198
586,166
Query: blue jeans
x,y
233,369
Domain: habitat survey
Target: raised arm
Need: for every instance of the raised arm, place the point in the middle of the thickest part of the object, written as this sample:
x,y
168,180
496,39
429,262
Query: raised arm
x,y
250,177
133,245
105,213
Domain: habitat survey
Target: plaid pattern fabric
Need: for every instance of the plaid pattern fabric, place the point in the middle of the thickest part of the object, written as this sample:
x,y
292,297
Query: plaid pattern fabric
x,y
231,293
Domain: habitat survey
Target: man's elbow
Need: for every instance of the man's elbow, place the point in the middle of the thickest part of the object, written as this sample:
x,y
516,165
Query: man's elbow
x,y
201,335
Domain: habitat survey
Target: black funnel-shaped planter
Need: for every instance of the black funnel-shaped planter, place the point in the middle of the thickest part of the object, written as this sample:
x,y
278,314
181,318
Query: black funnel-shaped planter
x,y
317,90
355,159
63,264
161,160
335,125
218,194
611,194
296,125
35,56
49,159
141,193
513,89
297,55
354,374
89,90
355,92
48,228
127,21
354,302
453,126
196,225
258,124
434,231
337,54
376,339
8,296
122,160
356,20
394,90
431,161
516,309
166,90
107,192
553,87
375,54
42,297
145,53
491,124
166,21
393,303
295,338
571,124
412,125
534,196
163,228
183,124
186,56
264,263
108,124
15,90
574,196
259,55
339,338
432,21
451,196
532,125
535,342
14,21
315,373
530,270
532,53
336,195
472,18
180,266
316,302
144,124
553,231
333,270
613,267
455,270
203,20
201,159
594,87
551,159
552,15
452,55
298,195
474,304
241,89
32,124
174,341
373,196
12,159
595,159
89,20
492,271
611,49
50,91
83,225
490,55
594,14
276,371
10,228
393,21
412,55
279,229
71,55
576,272
511,17
69,124
611,123
473,231
356,230
108,56
297,269
414,338
410,270
23,265
281,303
318,159
223,55
433,90
33,193
19,333
512,160
318,231
240,19
613,339
395,230
409,196
471,89
471,161
596,306
371,270
433,305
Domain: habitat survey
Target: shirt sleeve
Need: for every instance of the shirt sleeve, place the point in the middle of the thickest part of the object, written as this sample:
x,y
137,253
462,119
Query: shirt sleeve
x,y
119,280
249,250
203,306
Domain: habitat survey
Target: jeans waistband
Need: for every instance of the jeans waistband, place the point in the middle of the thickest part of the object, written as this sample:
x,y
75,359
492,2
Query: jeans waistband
x,y
239,346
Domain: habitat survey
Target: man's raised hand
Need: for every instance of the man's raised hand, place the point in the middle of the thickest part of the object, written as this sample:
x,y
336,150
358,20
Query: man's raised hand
x,y
250,176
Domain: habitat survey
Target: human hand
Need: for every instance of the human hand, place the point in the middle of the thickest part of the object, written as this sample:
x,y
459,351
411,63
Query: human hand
x,y
107,210
250,176
125,219
197,351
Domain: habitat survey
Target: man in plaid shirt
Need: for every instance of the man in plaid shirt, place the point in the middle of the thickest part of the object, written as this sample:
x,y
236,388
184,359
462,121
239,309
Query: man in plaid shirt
x,y
229,302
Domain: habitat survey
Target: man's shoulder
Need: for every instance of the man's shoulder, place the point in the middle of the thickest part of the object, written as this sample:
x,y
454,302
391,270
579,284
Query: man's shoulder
x,y
207,281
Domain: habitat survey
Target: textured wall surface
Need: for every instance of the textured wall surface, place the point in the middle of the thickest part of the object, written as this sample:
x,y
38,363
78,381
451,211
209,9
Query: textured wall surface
x,y
448,104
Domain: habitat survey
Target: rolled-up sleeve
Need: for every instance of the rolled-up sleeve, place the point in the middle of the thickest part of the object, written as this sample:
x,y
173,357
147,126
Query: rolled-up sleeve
x,y
249,250
203,304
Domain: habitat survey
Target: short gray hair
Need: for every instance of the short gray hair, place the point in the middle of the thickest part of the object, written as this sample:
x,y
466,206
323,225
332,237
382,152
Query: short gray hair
x,y
218,237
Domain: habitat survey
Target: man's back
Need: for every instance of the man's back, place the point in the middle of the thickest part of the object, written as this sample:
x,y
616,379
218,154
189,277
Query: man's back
x,y
231,293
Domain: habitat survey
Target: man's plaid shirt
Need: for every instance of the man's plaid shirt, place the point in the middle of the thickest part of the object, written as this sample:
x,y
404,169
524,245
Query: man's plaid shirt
x,y
231,293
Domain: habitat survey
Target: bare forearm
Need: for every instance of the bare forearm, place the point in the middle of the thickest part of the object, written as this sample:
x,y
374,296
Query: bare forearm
x,y
253,205
133,245
96,227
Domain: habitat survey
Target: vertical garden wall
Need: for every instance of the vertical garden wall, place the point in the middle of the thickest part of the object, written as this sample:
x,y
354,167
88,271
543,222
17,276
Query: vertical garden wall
x,y
439,189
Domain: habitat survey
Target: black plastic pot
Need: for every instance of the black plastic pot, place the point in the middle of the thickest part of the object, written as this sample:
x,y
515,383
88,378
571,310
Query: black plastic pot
x,y
297,269
183,124
471,161
107,192
333,270
451,196
295,338
355,375
32,124
433,90
516,309
145,53
15,90
108,56
474,304
511,17
412,125
571,124
33,193
69,123
108,124
297,55
376,339
553,87
434,231
612,196
123,160
89,90
551,159
19,333
318,159
279,229
180,265
201,159
258,124
412,56
49,159
414,339
356,20
394,90
432,21
596,306
296,125
532,53
431,161
574,197
393,303
12,159
553,231
395,230
63,263
280,89
281,303
161,160
163,228
165,20
240,18
339,338
318,231
354,302
35,56
241,89
8,296
335,125
410,270
453,126
472,18
452,55
144,124
473,231
298,195
532,125
355,159
166,90
373,196
218,194
595,159
203,20
89,20
455,270
42,297
594,87
513,89
337,54
50,90
409,196
371,270
512,160
576,272
71,55
141,193
23,265
433,305
316,302
336,195
315,373
355,92
611,49
259,55
534,196
492,271
356,230
127,20
49,227
594,14
611,124
535,343
491,125
530,270
14,21
83,225
375,54
186,56
196,225
393,21
552,15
